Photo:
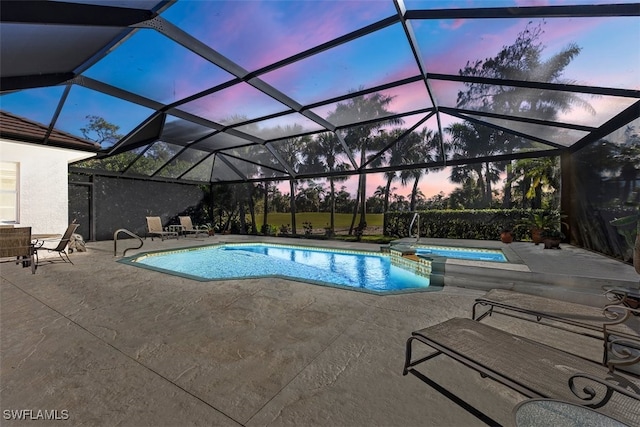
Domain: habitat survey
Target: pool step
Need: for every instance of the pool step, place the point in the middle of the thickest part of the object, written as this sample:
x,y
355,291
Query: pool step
x,y
432,266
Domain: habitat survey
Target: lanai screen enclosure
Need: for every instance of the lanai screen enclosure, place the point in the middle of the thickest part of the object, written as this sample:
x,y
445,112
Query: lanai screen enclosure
x,y
221,91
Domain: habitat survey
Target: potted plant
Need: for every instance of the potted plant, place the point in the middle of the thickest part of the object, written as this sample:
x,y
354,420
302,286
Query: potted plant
x,y
210,229
551,237
506,235
537,223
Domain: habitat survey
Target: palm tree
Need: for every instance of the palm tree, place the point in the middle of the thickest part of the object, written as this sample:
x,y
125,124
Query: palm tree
x,y
536,174
421,146
470,141
327,151
362,139
292,151
521,60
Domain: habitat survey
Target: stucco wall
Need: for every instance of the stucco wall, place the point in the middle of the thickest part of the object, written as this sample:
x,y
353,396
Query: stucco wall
x,y
43,184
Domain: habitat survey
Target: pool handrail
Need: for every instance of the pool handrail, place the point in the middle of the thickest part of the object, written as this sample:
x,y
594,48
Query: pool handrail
x,y
130,233
415,215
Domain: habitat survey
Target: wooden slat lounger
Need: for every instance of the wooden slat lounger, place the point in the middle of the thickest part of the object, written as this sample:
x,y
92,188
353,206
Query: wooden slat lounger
x,y
616,325
532,369
587,320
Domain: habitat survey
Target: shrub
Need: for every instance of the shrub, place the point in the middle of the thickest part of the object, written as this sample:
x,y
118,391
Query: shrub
x,y
479,224
308,227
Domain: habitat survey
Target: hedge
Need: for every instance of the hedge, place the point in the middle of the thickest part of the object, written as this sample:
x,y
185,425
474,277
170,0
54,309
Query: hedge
x,y
480,224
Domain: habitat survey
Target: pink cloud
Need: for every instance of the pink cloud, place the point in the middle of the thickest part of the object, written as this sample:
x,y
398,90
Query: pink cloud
x,y
453,25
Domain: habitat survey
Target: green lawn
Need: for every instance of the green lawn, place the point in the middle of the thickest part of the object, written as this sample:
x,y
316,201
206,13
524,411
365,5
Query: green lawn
x,y
319,219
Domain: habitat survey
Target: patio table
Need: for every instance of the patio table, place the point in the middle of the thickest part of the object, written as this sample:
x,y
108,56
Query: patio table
x,y
551,412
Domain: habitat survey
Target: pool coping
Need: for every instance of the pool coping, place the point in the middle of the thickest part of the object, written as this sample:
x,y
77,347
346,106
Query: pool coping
x,y
131,260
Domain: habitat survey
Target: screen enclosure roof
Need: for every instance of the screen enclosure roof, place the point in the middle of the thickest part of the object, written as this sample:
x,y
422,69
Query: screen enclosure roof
x,y
241,91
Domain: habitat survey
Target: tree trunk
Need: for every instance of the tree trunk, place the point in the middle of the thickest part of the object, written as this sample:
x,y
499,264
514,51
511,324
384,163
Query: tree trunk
x,y
506,200
386,203
414,193
487,177
292,187
355,209
266,205
332,201
538,197
252,210
243,218
363,201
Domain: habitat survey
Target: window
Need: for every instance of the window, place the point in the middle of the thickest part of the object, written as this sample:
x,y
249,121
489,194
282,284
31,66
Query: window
x,y
9,191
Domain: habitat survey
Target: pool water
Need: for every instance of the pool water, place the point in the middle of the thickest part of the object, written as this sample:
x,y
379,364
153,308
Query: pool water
x,y
365,271
493,255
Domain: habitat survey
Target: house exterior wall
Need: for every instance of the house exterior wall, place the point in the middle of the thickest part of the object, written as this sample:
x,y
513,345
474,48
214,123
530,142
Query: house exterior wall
x,y
43,184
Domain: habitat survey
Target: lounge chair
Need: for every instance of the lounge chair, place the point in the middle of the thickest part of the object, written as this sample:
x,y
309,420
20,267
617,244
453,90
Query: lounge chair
x,y
610,323
154,228
188,228
60,248
15,243
535,370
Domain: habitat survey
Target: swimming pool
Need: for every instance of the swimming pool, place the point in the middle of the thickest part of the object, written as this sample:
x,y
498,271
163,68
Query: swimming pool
x,y
493,255
357,270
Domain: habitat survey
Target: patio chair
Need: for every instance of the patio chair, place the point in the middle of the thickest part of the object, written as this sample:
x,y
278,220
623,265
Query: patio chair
x,y
611,323
154,228
532,369
15,243
577,318
60,248
189,229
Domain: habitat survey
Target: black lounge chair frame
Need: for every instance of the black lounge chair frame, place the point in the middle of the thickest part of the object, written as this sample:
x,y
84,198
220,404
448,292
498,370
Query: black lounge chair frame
x,y
532,369
60,249
611,324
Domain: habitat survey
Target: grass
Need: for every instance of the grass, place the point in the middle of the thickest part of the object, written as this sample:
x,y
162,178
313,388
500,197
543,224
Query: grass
x,y
319,219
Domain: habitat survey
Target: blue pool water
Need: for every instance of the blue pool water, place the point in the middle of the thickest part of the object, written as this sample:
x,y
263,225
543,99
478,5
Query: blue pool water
x,y
494,255
358,270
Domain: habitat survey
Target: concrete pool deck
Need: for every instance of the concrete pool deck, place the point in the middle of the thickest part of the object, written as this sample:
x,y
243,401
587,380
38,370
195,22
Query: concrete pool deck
x,y
113,344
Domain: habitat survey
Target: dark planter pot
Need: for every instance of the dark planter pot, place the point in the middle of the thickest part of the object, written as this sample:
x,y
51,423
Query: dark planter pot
x,y
506,237
551,243
536,235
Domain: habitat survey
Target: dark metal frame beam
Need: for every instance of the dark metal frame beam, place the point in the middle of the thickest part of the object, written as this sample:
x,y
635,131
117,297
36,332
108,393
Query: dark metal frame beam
x,y
577,11
622,119
590,90
62,13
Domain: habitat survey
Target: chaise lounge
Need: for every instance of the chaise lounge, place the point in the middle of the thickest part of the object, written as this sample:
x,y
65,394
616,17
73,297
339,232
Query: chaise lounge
x,y
617,325
60,248
528,367
189,229
154,229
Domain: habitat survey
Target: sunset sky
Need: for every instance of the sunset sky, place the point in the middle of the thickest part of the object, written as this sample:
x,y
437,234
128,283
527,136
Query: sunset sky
x,y
255,34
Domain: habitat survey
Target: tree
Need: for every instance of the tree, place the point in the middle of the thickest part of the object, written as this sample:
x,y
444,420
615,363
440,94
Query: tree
x,y
467,142
535,176
293,152
420,146
327,153
523,61
362,139
101,131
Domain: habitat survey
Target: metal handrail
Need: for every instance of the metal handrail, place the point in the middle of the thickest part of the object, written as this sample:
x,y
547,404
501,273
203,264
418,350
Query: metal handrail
x,y
115,240
415,215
